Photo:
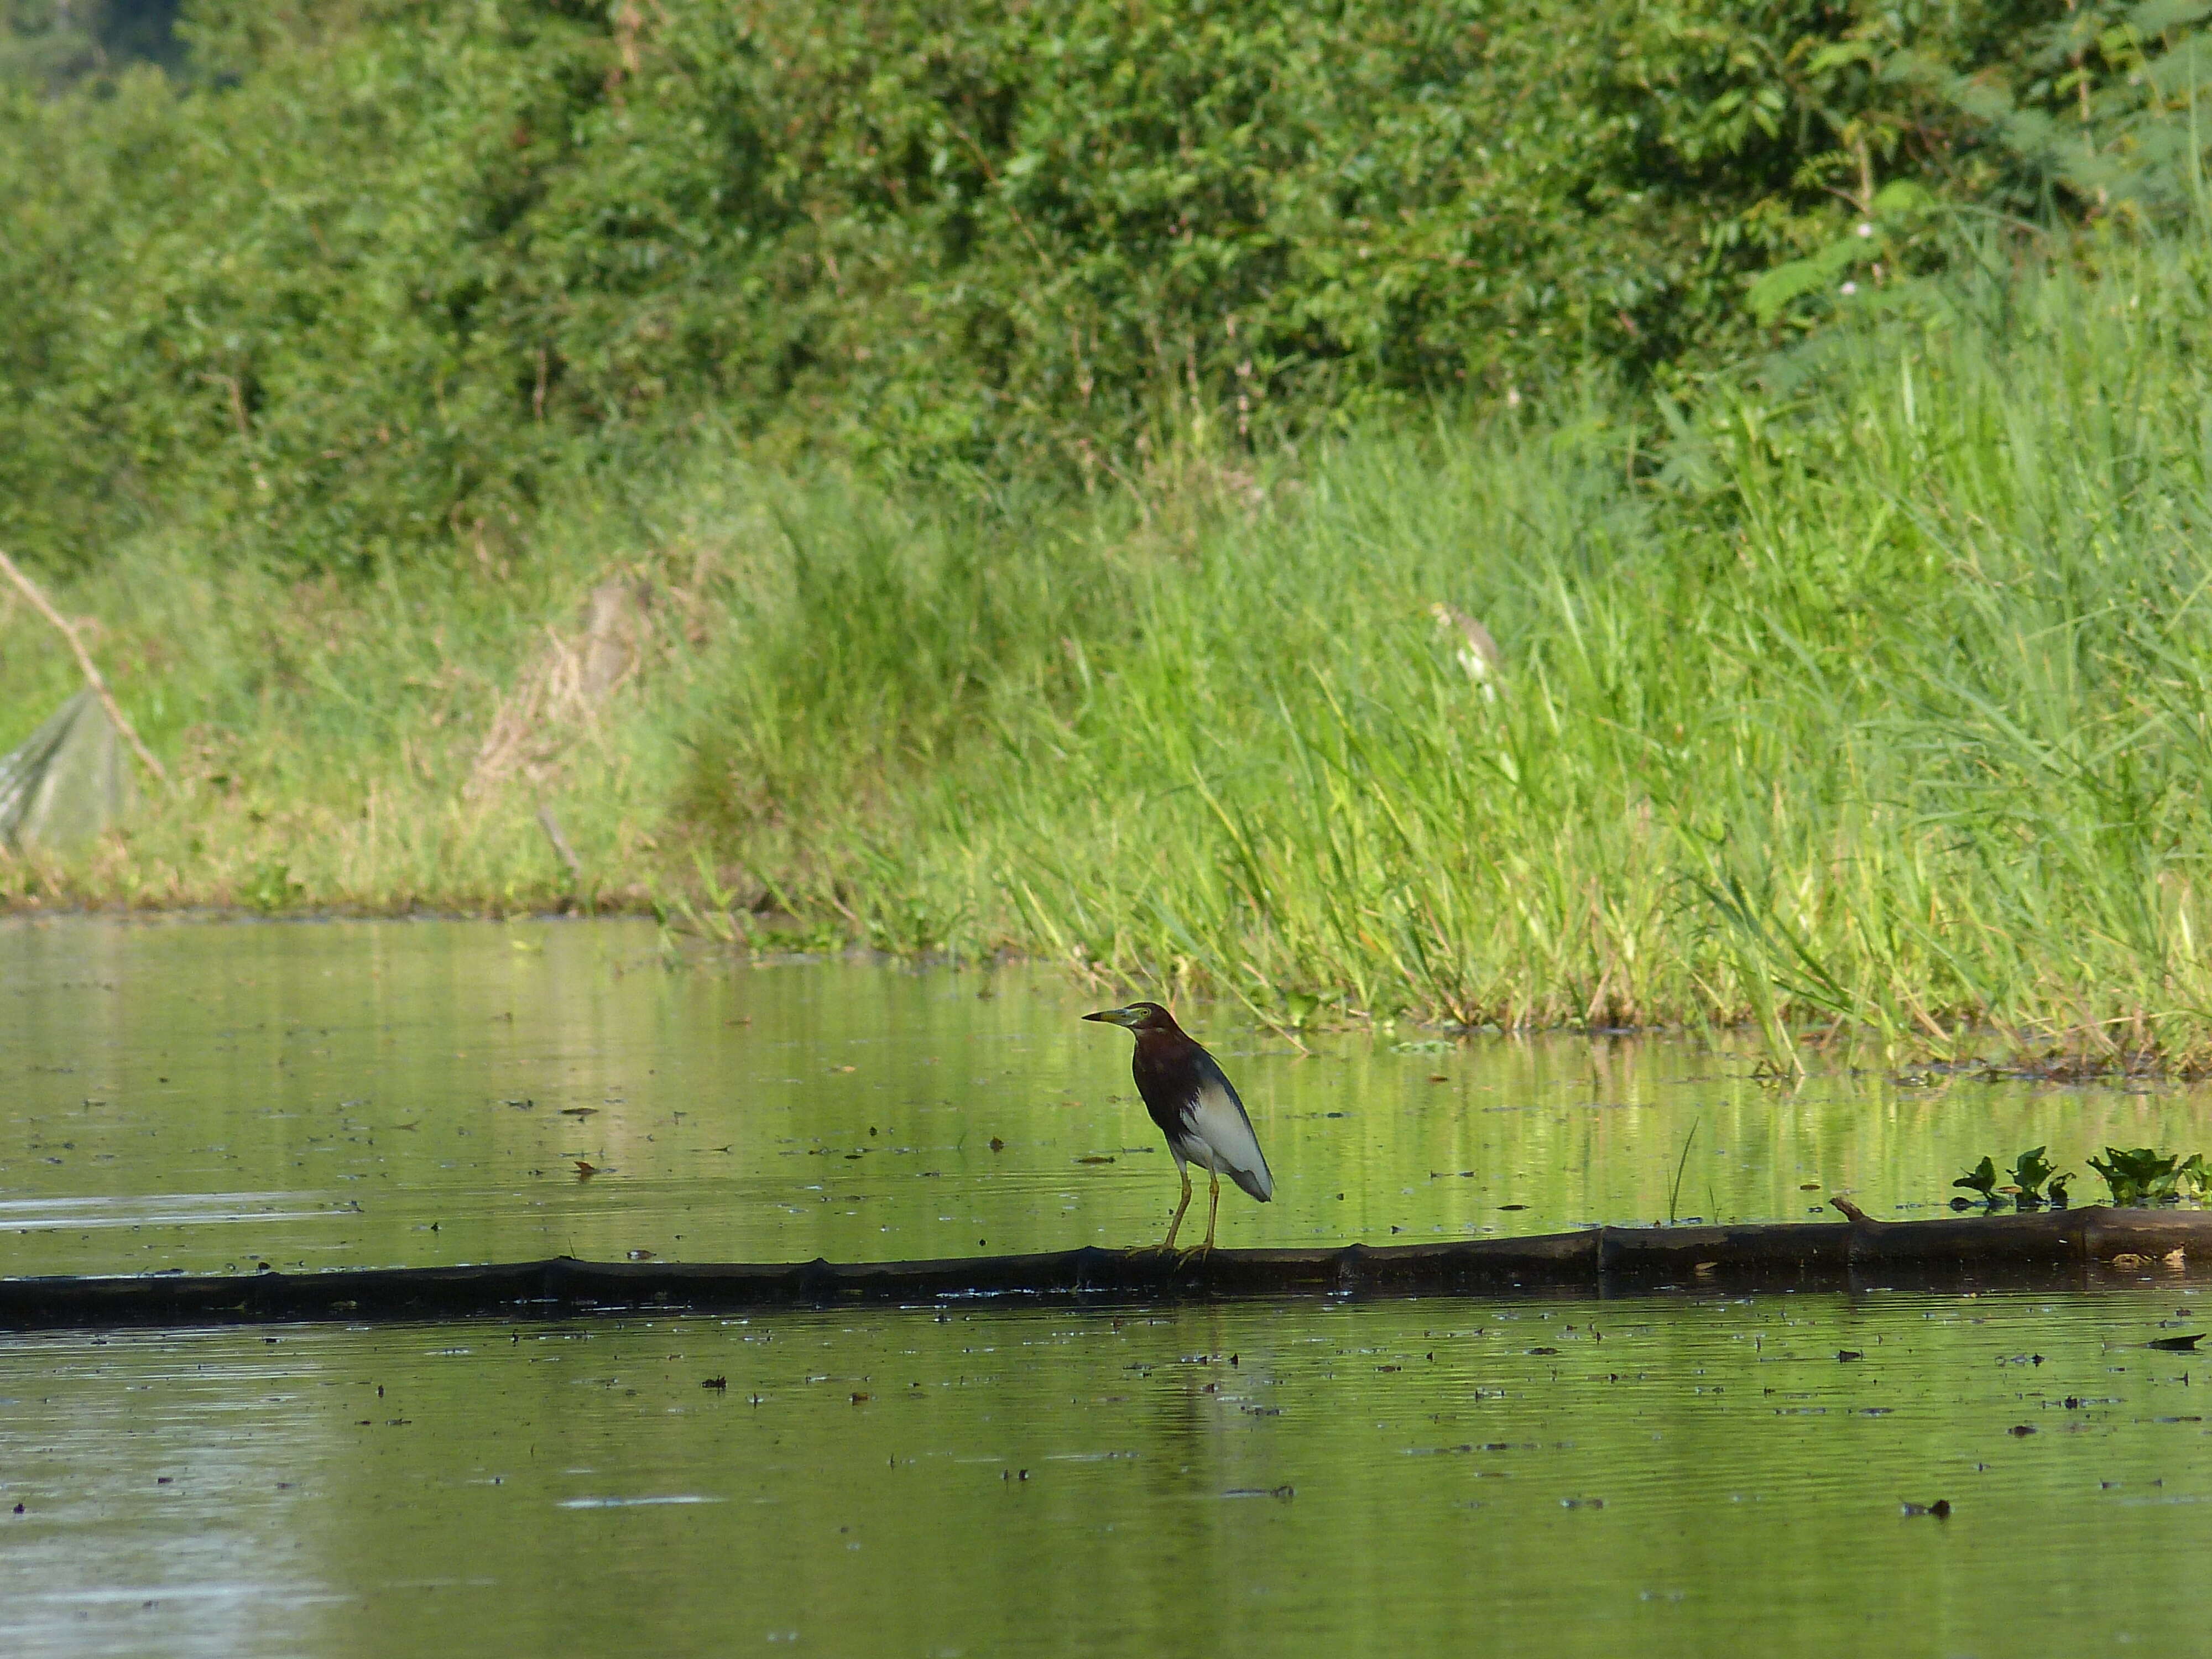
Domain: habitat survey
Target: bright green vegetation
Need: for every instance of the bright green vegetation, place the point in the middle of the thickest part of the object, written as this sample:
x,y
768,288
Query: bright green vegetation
x,y
366,281
1883,702
2143,1174
2137,1176
2030,1171
1878,703
1861,690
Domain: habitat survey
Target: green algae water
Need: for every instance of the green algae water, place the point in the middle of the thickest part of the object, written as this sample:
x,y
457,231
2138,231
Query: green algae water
x,y
1678,1473
1676,1477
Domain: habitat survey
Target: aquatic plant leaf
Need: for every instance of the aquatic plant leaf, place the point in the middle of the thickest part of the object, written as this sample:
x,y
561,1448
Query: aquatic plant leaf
x,y
2140,1175
2030,1171
1982,1178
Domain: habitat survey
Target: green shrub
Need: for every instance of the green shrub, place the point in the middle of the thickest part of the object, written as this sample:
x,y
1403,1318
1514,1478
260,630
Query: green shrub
x,y
370,274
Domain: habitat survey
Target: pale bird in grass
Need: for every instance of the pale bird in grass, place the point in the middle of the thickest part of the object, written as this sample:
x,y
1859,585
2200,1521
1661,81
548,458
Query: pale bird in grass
x,y
1476,652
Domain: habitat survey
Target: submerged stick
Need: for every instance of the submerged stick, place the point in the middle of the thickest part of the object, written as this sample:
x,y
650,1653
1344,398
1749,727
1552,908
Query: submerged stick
x,y
2082,1249
30,589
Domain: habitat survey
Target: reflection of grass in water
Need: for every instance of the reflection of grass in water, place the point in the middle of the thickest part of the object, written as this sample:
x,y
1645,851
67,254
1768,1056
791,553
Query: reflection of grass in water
x,y
1882,708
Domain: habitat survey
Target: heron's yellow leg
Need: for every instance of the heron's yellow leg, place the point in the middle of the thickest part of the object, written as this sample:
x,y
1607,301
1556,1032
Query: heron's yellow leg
x,y
1212,1209
1180,1208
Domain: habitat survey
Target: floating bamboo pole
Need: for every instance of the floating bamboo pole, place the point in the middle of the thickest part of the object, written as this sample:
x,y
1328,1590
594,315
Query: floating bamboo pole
x,y
2079,1248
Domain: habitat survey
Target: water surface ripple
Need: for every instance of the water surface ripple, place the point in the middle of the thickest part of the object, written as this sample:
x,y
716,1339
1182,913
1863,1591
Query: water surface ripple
x,y
1664,1476
1675,1474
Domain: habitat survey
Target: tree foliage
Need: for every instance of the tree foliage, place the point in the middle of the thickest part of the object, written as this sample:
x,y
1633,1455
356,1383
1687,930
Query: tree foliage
x,y
349,286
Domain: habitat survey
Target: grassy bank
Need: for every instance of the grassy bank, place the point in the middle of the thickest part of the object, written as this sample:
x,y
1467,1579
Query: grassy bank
x,y
1877,698
1881,702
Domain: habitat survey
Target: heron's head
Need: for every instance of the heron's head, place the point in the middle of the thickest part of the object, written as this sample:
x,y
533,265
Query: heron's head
x,y
1137,1017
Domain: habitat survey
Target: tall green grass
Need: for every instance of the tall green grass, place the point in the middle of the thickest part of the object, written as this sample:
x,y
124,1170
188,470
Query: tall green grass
x,y
323,736
1878,704
1871,699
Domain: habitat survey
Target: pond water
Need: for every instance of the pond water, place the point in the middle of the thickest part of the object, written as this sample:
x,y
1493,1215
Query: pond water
x,y
1686,1473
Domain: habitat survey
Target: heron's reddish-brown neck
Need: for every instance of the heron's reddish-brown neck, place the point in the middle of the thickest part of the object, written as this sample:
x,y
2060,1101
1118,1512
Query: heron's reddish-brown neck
x,y
1158,1042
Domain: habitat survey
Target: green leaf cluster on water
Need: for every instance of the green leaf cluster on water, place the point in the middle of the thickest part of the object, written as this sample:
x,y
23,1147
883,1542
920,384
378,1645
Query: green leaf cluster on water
x,y
2142,1174
2030,1171
2137,1177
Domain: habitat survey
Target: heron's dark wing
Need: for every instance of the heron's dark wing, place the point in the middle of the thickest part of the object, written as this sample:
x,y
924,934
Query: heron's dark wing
x,y
1215,1131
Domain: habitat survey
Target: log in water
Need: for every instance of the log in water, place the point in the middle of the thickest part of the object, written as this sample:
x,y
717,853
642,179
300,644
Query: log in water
x,y
2059,1249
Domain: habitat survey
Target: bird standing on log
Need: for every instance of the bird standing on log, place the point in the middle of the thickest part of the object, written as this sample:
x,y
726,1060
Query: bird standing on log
x,y
1196,1106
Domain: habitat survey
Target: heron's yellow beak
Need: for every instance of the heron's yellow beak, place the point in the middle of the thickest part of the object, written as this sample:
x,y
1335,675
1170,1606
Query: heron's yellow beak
x,y
1129,1017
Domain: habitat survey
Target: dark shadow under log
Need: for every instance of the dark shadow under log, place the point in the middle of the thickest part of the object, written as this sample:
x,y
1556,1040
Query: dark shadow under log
x,y
2082,1249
